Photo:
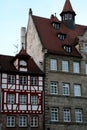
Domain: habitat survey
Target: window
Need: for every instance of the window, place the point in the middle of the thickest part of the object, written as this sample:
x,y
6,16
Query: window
x,y
61,36
76,68
65,66
11,98
22,121
54,87
54,114
23,65
34,81
65,88
68,48
66,113
86,68
78,115
85,48
77,90
34,100
34,121
10,121
23,80
23,99
56,25
53,64
11,79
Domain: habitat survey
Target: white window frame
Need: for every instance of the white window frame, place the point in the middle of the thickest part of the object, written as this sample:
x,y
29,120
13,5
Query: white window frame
x,y
11,79
23,99
34,99
11,98
53,64
78,115
34,80
66,113
54,87
76,67
77,90
34,121
10,121
65,66
54,114
66,89
22,121
23,80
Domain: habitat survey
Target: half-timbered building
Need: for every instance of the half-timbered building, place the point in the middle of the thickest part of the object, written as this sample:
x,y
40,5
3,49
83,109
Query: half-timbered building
x,y
21,88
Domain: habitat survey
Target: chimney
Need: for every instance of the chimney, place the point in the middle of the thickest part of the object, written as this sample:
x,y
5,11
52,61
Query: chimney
x,y
23,39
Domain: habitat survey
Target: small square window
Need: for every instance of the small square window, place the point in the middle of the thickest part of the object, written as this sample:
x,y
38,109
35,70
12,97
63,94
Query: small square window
x,y
34,80
23,99
23,80
11,79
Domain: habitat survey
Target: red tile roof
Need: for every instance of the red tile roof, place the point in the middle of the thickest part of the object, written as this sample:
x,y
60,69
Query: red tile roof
x,y
49,35
6,64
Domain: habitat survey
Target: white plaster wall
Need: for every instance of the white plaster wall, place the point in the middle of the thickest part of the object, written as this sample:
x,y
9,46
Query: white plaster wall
x,y
34,46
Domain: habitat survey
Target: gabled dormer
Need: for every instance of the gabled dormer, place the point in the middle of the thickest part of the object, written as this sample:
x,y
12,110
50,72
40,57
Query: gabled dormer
x,y
68,15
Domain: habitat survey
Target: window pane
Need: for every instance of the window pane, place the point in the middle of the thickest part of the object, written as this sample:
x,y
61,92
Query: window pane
x,y
23,99
10,121
54,114
65,67
34,80
34,121
78,115
23,80
53,64
34,100
22,121
54,88
77,90
11,98
11,79
66,113
76,68
65,88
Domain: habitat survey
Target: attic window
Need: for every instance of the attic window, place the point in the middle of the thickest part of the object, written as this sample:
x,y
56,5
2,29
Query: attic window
x,y
56,25
23,65
68,48
61,36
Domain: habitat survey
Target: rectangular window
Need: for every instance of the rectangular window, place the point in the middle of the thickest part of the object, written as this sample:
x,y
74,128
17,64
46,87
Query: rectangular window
x,y
34,81
77,90
76,67
22,121
86,68
34,100
23,99
78,115
34,121
23,80
10,121
54,87
65,89
54,114
11,79
66,113
85,48
65,66
53,64
11,98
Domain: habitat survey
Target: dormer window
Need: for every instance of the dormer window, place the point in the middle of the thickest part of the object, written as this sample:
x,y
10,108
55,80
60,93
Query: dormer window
x,y
23,65
61,36
67,16
56,25
68,48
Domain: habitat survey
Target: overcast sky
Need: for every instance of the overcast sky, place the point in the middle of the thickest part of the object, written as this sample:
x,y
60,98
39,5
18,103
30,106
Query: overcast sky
x,y
14,15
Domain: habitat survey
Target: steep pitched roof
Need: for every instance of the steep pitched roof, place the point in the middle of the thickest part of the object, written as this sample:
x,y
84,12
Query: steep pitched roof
x,y
49,35
7,63
67,6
